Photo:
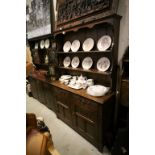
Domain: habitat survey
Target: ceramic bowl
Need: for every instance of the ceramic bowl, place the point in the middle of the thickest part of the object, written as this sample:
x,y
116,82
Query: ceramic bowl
x,y
97,90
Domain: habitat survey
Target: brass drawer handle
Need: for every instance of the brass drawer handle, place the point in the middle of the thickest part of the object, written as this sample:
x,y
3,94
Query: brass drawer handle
x,y
63,105
85,118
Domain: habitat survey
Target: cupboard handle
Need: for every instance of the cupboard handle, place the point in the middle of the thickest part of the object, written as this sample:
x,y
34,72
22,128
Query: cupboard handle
x,y
85,118
63,105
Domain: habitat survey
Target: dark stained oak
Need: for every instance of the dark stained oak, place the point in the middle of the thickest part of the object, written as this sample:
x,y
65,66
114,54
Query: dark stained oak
x,y
83,93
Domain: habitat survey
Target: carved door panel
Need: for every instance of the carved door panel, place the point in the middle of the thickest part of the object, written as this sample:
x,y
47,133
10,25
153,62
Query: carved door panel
x,y
41,96
85,118
63,106
34,88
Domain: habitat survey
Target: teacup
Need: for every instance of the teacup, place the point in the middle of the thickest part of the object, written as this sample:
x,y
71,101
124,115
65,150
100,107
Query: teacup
x,y
66,82
72,81
90,82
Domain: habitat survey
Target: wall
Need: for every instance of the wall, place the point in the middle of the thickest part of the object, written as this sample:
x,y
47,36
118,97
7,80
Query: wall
x,y
123,10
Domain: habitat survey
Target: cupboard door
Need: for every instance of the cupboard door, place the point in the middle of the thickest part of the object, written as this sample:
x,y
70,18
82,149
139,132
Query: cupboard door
x,y
49,96
85,118
63,106
41,96
34,88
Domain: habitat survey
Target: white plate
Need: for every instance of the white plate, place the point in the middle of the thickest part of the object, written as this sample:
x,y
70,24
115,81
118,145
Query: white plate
x,y
75,62
66,61
75,45
36,46
88,44
42,44
103,64
87,63
67,46
97,90
47,43
104,43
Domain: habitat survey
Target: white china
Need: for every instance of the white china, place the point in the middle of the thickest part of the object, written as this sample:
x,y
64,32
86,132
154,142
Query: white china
x,y
67,46
103,64
87,63
42,44
75,45
66,77
104,43
47,43
75,62
66,61
97,90
36,46
90,82
75,86
88,44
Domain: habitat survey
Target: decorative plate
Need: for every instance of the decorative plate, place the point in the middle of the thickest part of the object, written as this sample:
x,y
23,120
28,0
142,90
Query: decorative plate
x,y
103,64
75,45
104,43
42,44
47,43
75,62
87,63
67,46
36,46
66,61
88,44
97,90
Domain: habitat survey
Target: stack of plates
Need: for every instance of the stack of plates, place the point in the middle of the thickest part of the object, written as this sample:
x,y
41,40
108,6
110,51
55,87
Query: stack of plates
x,y
65,77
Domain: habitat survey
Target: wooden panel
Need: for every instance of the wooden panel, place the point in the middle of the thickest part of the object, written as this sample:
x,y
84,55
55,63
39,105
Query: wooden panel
x,y
64,112
85,117
41,96
33,87
49,96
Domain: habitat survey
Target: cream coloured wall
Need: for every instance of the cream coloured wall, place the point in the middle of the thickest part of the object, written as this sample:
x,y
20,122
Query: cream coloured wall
x,y
123,10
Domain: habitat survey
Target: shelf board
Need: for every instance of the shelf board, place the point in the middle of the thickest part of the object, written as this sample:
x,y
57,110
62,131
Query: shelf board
x,y
82,52
41,64
88,71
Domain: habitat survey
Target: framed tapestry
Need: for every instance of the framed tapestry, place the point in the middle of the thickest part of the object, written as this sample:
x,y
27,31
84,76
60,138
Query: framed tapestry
x,y
38,18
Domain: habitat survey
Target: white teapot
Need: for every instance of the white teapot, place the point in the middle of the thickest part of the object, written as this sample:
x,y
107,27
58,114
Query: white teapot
x,y
82,79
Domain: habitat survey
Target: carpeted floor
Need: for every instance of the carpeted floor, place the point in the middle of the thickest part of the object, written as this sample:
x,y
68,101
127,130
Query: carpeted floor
x,y
66,140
